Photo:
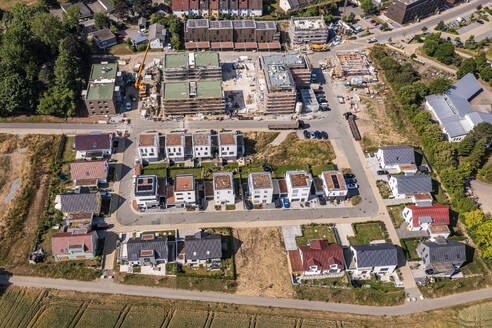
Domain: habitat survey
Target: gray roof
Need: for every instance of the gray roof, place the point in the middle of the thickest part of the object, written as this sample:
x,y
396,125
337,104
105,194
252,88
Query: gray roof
x,y
142,21
372,255
466,87
104,34
202,246
413,184
138,38
157,244
450,252
398,155
80,203
157,31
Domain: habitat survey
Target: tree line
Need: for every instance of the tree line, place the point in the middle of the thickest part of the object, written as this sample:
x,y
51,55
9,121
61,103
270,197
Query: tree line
x,y
455,163
42,62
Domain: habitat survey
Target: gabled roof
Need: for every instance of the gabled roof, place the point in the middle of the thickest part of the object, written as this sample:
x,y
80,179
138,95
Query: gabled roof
x,y
104,34
466,87
372,255
398,155
447,252
91,142
80,203
157,244
413,184
439,214
202,246
88,170
138,38
180,5
322,254
157,31
61,242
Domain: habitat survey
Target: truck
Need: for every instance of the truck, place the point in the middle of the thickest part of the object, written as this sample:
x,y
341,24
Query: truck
x,y
289,125
319,47
353,126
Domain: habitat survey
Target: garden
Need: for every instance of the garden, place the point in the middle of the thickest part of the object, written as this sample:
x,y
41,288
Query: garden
x,y
316,231
367,232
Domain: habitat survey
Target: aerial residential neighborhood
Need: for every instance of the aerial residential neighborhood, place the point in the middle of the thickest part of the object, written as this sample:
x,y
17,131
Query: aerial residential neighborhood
x,y
246,163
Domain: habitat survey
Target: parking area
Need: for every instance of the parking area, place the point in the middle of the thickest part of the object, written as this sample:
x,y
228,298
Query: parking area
x,y
373,164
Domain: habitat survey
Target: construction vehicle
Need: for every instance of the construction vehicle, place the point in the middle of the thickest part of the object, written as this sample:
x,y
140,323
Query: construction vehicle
x,y
319,47
289,125
141,86
353,126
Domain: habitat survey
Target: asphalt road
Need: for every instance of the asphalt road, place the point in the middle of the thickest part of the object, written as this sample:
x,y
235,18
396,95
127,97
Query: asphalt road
x,y
109,287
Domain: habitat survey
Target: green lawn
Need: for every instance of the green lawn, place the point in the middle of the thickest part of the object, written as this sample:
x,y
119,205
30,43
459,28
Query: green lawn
x,y
395,214
316,231
367,232
158,169
474,267
68,153
316,170
409,246
279,171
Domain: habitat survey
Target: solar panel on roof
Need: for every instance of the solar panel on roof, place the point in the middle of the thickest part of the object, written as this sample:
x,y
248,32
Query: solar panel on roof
x,y
140,181
144,188
334,178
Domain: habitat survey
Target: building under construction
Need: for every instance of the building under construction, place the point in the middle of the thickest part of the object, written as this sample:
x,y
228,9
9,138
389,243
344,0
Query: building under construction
x,y
103,93
310,30
193,97
192,66
354,64
283,75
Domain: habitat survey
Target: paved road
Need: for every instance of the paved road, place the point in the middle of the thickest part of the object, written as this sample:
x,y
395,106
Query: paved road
x,y
109,287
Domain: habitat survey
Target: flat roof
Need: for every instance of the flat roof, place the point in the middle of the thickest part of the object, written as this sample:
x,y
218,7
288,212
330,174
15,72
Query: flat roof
x,y
288,59
201,138
261,180
147,139
184,182
100,91
222,180
103,71
308,23
206,59
174,139
181,90
176,60
176,90
209,88
299,179
334,180
227,138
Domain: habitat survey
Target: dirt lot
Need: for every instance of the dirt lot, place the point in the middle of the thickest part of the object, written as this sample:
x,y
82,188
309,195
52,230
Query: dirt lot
x,y
483,191
261,263
14,170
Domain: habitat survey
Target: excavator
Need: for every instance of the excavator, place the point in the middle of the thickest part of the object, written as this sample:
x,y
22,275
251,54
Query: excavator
x,y
142,88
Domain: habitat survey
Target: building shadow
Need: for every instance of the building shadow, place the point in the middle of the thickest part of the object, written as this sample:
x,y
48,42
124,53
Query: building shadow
x,y
123,144
4,280
116,202
402,260
121,171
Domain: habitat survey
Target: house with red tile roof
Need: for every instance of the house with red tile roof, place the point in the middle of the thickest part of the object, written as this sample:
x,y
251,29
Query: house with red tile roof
x,y
89,173
317,258
68,246
428,218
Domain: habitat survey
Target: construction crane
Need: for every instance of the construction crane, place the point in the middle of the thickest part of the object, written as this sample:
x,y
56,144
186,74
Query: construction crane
x,y
141,86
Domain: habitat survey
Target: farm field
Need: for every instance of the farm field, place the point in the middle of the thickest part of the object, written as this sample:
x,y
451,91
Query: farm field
x,y
30,307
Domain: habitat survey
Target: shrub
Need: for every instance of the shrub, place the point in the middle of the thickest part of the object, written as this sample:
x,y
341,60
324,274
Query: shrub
x,y
355,200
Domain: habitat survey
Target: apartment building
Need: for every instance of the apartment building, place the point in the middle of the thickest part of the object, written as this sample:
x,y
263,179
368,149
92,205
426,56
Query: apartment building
x,y
242,8
260,187
283,75
193,97
102,93
310,30
406,11
202,145
192,66
334,185
175,146
298,185
228,145
223,184
148,146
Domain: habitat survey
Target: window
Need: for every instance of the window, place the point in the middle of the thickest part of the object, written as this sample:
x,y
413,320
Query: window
x,y
383,269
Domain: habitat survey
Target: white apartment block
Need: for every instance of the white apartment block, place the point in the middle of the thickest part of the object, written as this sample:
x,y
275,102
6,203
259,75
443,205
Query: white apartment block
x,y
148,146
298,185
175,146
202,145
260,187
223,188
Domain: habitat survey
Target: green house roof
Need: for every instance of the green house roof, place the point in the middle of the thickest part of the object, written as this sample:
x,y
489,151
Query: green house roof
x,y
206,59
103,71
176,90
100,91
209,88
176,60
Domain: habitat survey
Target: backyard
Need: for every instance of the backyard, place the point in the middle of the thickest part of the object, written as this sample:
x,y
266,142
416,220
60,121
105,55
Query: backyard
x,y
316,231
384,189
409,246
395,214
367,232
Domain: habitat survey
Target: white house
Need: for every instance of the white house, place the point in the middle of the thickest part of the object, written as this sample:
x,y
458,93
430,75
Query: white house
x,y
89,173
93,145
148,146
175,146
434,219
184,190
202,145
403,186
298,185
223,188
260,187
157,36
397,159
228,145
147,191
318,258
380,259
334,185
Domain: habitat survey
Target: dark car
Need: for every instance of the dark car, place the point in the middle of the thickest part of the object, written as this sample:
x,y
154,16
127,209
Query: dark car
x,y
278,203
267,168
248,204
423,169
351,180
479,21
317,134
307,135
324,135
349,176
382,172
322,200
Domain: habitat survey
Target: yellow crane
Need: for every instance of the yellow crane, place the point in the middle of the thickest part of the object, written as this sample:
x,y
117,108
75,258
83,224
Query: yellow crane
x,y
142,88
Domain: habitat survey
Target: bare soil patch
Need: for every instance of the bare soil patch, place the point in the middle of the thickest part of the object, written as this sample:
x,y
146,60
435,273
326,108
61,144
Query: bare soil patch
x,y
261,263
11,169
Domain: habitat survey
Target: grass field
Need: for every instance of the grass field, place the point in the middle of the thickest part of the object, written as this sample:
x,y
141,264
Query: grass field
x,y
68,153
367,232
409,246
395,214
316,231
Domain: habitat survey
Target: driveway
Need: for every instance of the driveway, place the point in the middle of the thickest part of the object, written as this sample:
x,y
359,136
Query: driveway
x,y
344,230
290,233
483,191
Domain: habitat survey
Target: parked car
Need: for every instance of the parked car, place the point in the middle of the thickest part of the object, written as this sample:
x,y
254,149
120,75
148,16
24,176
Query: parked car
x,y
352,186
423,169
128,105
317,134
351,181
349,176
382,172
313,136
372,21
286,203
324,135
267,168
307,135
322,200
278,203
248,204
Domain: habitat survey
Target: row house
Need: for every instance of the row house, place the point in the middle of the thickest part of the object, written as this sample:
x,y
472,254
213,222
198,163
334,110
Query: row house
x,y
244,8
148,146
298,185
183,192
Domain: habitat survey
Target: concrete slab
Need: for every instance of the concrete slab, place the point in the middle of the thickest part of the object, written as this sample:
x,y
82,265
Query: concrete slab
x,y
290,233
344,230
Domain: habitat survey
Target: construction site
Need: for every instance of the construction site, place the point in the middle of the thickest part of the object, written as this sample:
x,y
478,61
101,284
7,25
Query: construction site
x,y
308,30
353,66
192,66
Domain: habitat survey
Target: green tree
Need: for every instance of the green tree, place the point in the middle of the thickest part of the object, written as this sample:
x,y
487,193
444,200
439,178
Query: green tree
x,y
473,219
451,180
71,19
142,7
445,53
14,94
57,101
439,85
67,71
441,26
486,73
121,9
467,66
48,29
486,173
101,21
366,6
430,46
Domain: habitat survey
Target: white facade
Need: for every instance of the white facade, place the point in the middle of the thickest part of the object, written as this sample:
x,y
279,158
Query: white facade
x,y
228,147
298,185
175,150
393,184
184,189
329,188
202,149
260,187
148,147
224,188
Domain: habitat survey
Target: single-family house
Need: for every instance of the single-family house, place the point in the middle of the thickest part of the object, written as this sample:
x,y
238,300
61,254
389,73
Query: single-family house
x,y
78,222
260,187
183,193
84,11
204,248
148,190
372,258
423,217
157,36
334,185
223,188
175,146
202,145
144,250
228,145
397,159
138,39
89,173
148,146
67,246
403,186
104,38
93,145
298,185
441,257
317,258
78,203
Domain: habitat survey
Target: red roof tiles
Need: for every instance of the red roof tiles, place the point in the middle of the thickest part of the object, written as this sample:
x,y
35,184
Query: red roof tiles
x,y
438,212
61,242
322,254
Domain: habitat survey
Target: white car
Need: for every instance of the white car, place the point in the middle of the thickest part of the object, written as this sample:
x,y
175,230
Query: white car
x,y
352,186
